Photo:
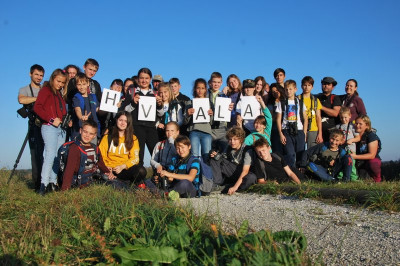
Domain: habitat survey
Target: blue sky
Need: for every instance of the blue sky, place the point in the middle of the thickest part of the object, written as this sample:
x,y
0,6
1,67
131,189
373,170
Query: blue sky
x,y
188,40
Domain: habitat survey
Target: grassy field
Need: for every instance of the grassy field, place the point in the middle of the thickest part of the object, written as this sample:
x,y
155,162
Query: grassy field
x,y
99,225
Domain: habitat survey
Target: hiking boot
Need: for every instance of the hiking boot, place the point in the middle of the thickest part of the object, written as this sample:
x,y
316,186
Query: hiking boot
x,y
217,188
42,189
51,187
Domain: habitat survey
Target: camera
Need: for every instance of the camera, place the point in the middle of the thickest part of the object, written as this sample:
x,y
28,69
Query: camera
x,y
292,128
65,121
217,156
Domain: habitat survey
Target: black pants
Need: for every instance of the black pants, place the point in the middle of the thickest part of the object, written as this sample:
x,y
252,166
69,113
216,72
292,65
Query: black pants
x,y
148,136
227,173
36,147
135,174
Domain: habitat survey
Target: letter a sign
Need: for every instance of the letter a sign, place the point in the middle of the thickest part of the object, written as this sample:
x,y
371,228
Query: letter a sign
x,y
201,107
109,100
147,108
250,108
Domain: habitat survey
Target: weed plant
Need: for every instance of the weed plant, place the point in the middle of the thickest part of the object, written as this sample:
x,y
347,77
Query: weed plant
x,y
98,225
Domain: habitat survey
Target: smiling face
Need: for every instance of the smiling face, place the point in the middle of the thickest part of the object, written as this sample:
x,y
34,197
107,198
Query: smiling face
x,y
36,77
275,93
335,141
345,118
182,149
259,86
350,87
234,84
264,152
88,133
90,70
259,126
144,81
216,84
361,126
122,123
164,93
59,82
82,86
127,84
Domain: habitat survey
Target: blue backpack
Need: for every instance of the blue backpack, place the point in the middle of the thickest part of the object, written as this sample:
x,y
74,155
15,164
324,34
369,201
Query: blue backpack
x,y
80,178
204,182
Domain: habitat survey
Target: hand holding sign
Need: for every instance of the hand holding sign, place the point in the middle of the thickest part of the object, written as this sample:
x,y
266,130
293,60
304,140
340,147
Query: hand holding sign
x,y
250,107
201,107
147,108
110,100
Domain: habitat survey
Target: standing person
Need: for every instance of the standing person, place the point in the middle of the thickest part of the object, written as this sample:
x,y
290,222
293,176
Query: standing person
x,y
157,79
85,106
182,99
330,106
27,96
72,70
279,76
90,68
145,131
168,109
313,105
276,94
368,148
120,150
51,108
292,130
262,87
233,90
353,101
218,128
199,133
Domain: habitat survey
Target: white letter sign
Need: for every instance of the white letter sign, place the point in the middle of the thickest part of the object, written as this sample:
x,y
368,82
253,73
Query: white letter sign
x,y
221,112
250,107
147,108
201,107
109,100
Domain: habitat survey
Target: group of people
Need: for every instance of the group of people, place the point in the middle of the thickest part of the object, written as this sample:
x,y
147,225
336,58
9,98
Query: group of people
x,y
324,135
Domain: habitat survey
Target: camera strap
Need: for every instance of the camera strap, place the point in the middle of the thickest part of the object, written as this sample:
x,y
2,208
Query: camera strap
x,y
30,87
287,109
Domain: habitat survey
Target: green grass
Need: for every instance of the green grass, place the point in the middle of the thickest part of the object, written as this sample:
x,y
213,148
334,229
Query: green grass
x,y
381,196
99,225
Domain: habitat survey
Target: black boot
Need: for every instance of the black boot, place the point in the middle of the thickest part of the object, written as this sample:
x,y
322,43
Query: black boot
x,y
42,189
51,187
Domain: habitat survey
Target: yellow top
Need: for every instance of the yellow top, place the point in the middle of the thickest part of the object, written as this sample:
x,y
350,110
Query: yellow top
x,y
311,112
115,156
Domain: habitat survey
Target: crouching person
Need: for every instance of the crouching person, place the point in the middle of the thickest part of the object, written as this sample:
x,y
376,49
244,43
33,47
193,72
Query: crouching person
x,y
269,166
183,172
327,160
83,159
232,168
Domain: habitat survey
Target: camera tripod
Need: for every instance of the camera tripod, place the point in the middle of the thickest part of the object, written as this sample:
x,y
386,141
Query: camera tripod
x,y
21,151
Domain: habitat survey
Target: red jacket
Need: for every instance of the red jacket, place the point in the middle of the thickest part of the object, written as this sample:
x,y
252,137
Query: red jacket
x,y
48,105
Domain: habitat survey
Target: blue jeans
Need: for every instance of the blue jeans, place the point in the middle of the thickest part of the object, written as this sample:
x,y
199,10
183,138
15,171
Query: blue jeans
x,y
53,138
200,139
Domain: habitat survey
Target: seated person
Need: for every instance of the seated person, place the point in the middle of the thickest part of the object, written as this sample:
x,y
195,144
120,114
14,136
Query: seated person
x,y
183,172
82,146
326,160
120,150
269,166
163,152
232,168
367,149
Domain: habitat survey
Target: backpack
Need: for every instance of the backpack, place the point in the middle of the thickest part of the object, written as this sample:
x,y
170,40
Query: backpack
x,y
62,156
204,182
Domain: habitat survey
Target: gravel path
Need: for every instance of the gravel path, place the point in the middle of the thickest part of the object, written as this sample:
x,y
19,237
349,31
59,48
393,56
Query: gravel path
x,y
345,235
